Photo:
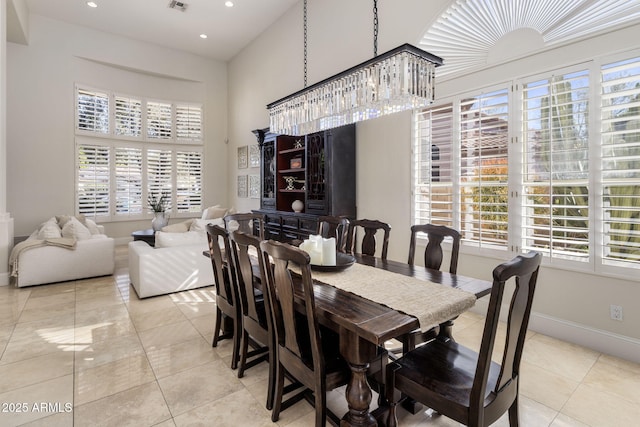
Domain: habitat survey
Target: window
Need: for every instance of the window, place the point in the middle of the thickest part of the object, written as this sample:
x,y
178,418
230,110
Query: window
x,y
551,165
142,148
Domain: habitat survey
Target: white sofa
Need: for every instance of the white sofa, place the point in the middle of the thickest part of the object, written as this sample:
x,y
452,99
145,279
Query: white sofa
x,y
177,263
37,262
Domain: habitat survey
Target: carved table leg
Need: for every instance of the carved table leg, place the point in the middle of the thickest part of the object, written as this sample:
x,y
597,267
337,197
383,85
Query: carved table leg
x,y
358,353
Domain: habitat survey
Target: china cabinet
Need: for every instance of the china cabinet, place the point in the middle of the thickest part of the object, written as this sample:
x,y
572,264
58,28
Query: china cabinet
x,y
303,177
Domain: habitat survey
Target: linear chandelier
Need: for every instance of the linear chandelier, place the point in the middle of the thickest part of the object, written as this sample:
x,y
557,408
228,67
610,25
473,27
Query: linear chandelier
x,y
398,80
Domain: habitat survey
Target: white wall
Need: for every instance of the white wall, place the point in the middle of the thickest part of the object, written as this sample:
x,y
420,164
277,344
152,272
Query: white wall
x,y
40,111
340,35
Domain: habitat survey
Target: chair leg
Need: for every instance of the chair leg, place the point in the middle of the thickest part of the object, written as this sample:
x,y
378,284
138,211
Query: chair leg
x,y
277,400
513,413
236,343
216,328
320,398
392,395
244,348
272,377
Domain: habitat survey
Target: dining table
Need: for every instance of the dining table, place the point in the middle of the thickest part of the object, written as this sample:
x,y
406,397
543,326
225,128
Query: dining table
x,y
376,300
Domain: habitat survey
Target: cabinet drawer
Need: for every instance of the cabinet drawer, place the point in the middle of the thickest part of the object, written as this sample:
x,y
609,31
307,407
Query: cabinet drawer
x,y
291,223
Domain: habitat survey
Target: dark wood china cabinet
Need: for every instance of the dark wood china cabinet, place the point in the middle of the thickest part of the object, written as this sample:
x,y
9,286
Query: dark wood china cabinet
x,y
318,170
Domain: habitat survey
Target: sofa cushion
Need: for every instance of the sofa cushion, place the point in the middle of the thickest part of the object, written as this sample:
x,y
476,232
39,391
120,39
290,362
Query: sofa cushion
x,y
49,230
179,227
167,240
214,212
200,225
74,228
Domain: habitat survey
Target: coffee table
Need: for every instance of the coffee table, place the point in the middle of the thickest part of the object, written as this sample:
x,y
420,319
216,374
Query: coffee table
x,y
148,236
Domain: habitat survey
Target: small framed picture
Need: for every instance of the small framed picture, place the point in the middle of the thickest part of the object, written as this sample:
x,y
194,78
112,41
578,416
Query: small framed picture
x,y
242,185
254,156
254,186
295,163
242,157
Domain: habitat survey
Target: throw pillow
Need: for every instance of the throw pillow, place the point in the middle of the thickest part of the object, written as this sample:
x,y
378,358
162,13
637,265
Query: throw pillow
x,y
214,212
74,228
49,230
92,226
200,225
180,227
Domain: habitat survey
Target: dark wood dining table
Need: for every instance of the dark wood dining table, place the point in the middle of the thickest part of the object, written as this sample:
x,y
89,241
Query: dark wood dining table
x,y
364,325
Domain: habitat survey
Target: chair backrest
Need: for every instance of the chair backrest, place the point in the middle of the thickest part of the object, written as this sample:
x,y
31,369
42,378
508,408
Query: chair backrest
x,y
243,245
433,252
334,226
524,268
246,222
371,228
298,337
223,272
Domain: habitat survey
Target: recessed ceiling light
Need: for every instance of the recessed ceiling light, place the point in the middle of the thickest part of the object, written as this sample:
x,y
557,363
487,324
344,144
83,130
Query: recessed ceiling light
x,y
228,3
203,36
92,4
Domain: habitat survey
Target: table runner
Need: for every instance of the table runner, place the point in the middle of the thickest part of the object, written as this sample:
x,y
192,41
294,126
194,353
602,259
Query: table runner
x,y
431,303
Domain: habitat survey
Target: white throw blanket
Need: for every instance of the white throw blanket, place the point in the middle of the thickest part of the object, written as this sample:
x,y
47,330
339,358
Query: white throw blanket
x,y
63,242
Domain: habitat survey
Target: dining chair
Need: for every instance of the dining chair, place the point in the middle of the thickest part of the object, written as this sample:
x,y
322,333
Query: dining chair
x,y
465,385
245,222
305,352
228,315
368,246
334,226
256,324
433,257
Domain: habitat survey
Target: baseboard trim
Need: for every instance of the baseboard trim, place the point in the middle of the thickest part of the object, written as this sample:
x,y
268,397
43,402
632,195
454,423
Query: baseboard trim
x,y
596,339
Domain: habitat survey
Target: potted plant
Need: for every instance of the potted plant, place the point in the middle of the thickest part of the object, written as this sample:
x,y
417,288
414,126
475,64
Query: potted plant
x,y
159,205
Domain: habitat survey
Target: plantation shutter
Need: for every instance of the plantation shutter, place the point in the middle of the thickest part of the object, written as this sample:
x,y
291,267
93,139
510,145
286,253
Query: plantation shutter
x,y
621,161
188,181
92,113
128,173
483,169
93,180
433,174
159,120
127,116
159,164
556,173
188,122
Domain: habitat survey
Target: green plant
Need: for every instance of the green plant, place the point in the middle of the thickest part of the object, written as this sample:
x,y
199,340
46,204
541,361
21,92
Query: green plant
x,y
158,203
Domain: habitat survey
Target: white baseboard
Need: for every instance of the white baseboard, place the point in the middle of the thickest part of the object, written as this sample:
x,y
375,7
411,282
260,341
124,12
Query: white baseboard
x,y
596,339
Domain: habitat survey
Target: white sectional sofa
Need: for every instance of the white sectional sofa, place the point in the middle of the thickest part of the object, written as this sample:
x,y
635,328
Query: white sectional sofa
x,y
176,263
68,253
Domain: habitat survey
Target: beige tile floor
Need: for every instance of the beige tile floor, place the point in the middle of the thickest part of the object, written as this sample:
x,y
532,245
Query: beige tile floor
x,y
89,352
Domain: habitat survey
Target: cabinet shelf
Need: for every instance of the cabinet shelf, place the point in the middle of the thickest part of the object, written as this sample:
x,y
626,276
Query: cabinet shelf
x,y
291,150
291,191
291,170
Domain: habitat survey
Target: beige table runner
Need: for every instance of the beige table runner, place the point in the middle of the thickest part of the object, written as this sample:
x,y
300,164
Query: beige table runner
x,y
429,302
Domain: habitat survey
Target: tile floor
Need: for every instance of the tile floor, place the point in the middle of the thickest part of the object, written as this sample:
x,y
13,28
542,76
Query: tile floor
x,y
89,352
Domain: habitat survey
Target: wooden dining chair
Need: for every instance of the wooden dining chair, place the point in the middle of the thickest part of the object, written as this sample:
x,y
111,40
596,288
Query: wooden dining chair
x,y
306,353
368,246
246,222
433,257
464,385
334,226
256,324
228,315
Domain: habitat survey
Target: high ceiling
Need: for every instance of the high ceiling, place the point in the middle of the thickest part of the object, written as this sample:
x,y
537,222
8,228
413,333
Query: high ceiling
x,y
229,29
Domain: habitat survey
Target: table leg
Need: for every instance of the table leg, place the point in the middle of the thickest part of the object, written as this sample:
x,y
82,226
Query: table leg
x,y
357,352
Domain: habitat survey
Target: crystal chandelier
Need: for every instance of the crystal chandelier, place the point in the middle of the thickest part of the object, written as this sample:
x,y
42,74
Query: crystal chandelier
x,y
398,80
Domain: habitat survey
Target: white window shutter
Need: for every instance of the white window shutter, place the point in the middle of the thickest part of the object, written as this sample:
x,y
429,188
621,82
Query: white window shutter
x,y
188,122
128,170
127,116
93,180
159,120
92,112
188,181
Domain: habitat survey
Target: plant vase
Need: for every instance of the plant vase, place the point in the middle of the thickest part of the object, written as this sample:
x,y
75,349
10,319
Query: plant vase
x,y
160,219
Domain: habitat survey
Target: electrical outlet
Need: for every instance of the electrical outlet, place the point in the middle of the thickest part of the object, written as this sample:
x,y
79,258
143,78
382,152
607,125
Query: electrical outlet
x,y
616,312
